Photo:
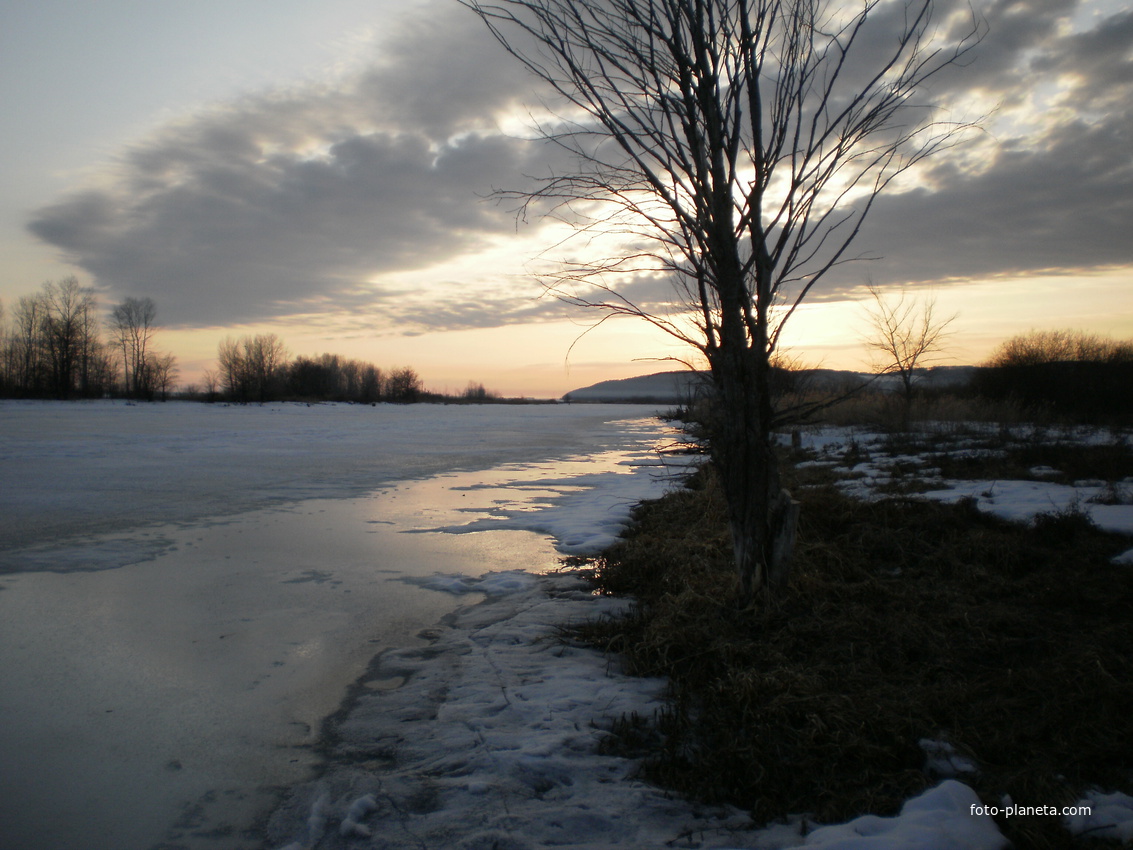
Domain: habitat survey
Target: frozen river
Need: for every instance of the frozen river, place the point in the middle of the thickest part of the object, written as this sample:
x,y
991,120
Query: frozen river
x,y
186,590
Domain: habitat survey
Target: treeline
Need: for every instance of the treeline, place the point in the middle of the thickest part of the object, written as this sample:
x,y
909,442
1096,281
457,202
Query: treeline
x,y
258,368
55,345
1068,373
59,343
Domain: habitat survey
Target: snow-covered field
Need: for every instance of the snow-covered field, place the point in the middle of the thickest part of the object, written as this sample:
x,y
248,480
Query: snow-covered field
x,y
232,572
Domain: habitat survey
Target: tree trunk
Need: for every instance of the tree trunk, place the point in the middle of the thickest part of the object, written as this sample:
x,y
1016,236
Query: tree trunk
x,y
762,515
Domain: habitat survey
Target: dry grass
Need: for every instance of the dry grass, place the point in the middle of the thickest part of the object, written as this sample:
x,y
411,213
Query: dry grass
x,y
905,620
887,411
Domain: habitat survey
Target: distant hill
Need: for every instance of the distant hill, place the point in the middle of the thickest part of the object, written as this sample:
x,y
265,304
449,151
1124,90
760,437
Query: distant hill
x,y
659,388
678,387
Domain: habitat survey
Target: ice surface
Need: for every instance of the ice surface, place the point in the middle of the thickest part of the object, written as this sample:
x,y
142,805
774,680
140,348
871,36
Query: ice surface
x,y
584,512
102,467
199,546
186,590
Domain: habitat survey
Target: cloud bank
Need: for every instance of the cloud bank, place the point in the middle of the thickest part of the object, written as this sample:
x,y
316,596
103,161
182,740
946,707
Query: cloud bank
x,y
312,200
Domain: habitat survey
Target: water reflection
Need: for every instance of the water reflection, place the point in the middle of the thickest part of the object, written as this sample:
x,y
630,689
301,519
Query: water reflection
x,y
165,700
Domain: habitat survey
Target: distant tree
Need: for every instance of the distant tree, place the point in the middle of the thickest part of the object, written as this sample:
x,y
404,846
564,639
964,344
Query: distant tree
x,y
403,386
69,334
3,352
132,327
905,335
351,379
1071,373
26,346
1060,346
230,359
211,384
254,367
265,358
477,392
312,378
162,373
373,382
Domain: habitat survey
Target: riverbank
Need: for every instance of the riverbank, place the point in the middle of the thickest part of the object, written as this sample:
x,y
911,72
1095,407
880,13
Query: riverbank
x,y
937,676
186,591
492,736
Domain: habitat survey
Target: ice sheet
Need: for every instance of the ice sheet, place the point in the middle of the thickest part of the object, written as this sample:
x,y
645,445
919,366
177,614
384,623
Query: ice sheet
x,y
162,677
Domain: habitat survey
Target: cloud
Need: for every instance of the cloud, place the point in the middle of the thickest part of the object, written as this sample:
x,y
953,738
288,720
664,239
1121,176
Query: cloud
x,y
1048,187
287,201
321,200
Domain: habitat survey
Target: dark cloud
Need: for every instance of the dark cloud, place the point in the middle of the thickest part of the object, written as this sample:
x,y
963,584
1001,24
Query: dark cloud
x,y
288,202
277,204
1056,198
229,237
444,73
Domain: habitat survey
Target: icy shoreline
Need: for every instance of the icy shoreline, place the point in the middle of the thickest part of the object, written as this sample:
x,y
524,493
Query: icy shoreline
x,y
488,738
186,591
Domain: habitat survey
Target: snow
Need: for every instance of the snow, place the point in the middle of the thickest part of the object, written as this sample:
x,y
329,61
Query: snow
x,y
939,818
865,459
187,590
96,467
1022,501
484,732
489,738
584,512
1110,816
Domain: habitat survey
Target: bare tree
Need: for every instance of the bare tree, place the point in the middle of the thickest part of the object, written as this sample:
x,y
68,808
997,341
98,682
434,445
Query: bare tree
x,y
905,336
162,372
1059,346
734,147
132,327
230,359
211,384
252,366
403,385
69,334
26,345
265,356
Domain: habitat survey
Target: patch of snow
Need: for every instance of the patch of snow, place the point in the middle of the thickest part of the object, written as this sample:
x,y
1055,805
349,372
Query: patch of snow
x,y
1021,501
1125,557
492,584
941,818
489,737
1111,816
586,512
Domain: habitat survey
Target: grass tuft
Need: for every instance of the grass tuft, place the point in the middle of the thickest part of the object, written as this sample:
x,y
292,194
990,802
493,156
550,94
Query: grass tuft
x,y
905,620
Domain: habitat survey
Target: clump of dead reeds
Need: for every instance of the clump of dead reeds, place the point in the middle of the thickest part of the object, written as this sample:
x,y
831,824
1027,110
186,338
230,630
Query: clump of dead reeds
x,y
906,620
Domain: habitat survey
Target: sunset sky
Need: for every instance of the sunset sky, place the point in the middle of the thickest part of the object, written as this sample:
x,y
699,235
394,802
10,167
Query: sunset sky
x,y
317,169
